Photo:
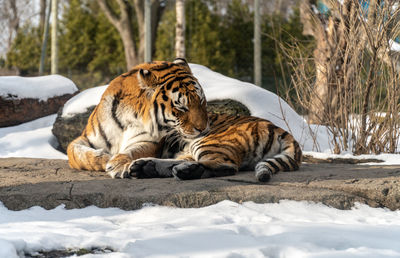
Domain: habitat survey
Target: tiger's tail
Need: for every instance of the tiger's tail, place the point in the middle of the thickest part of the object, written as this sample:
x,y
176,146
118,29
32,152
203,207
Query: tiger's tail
x,y
288,158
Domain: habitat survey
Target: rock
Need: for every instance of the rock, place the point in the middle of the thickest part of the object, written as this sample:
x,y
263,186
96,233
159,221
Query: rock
x,y
48,183
311,159
67,129
227,106
16,111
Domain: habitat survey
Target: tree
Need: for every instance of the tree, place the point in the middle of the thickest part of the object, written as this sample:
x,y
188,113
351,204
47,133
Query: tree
x,y
24,52
42,14
108,56
257,44
121,20
180,29
54,37
238,24
165,44
77,39
12,12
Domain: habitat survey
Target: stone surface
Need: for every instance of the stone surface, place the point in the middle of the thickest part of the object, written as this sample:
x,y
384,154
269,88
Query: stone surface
x,y
67,129
17,111
48,183
227,106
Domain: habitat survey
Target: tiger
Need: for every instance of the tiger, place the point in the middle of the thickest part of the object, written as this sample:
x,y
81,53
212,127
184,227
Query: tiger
x,y
135,113
230,144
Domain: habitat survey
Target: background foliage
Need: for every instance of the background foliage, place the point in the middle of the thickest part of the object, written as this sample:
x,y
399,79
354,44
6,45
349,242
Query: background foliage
x,y
219,35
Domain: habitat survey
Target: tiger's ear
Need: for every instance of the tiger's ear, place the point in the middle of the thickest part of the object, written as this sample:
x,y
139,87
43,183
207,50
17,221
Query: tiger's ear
x,y
181,61
146,80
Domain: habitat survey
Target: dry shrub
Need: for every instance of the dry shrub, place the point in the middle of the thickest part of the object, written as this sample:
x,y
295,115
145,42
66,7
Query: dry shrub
x,y
351,82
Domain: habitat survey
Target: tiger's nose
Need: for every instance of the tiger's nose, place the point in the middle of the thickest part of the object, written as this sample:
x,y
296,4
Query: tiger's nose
x,y
201,128
197,130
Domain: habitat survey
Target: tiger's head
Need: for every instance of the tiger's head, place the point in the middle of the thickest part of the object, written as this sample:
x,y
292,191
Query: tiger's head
x,y
178,100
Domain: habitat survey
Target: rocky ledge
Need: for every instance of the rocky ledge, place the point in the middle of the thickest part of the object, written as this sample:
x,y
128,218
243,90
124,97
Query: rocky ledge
x,y
48,183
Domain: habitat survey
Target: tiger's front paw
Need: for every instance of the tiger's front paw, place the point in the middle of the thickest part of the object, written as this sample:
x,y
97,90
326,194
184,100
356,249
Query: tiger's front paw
x,y
188,170
143,168
118,166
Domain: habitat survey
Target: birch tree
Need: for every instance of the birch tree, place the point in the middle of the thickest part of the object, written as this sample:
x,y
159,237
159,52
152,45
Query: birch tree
x,y
180,29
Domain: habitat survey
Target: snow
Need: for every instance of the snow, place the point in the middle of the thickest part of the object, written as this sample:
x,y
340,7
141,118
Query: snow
x,y
32,140
79,103
394,46
387,158
41,87
226,229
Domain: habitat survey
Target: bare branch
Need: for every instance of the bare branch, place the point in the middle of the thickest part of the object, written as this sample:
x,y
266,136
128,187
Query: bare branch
x,y
111,16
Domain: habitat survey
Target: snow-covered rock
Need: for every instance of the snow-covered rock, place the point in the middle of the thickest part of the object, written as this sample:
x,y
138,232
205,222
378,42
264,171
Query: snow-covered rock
x,y
84,100
41,88
23,99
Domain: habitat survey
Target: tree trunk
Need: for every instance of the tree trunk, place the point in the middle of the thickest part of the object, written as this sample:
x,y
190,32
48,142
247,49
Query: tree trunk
x,y
13,21
45,39
133,54
147,31
180,29
54,40
257,44
42,14
156,12
123,24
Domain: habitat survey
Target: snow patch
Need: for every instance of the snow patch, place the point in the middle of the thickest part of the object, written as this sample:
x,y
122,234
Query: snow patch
x,y
41,87
31,140
394,46
226,229
81,102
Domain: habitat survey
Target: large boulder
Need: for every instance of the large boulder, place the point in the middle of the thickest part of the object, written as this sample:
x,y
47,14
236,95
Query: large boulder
x,y
227,106
23,99
67,128
18,111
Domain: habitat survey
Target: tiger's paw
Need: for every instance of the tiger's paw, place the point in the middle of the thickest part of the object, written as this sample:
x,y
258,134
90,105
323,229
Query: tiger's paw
x,y
117,173
263,175
118,166
188,171
143,168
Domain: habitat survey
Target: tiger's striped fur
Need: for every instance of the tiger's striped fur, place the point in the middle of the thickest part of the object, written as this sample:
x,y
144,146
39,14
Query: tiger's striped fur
x,y
232,143
135,112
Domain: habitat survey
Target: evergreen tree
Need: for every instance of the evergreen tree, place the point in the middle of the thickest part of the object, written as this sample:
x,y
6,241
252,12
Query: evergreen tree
x,y
77,40
238,39
165,44
109,52
203,32
24,53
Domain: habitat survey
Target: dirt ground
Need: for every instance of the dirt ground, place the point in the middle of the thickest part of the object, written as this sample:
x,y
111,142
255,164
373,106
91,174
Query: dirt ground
x,y
48,183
